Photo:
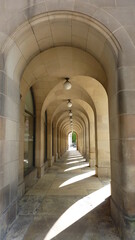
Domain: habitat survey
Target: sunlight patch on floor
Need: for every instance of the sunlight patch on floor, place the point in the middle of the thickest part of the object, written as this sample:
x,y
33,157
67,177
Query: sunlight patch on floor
x,y
76,161
78,210
74,158
77,167
78,178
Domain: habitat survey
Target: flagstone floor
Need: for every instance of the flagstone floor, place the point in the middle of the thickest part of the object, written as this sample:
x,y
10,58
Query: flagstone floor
x,y
68,203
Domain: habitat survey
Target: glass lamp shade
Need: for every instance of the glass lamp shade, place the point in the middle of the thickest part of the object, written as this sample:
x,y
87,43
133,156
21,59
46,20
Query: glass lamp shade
x,y
67,85
69,104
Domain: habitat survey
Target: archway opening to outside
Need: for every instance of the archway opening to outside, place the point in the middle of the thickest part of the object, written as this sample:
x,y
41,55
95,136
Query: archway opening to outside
x,y
72,141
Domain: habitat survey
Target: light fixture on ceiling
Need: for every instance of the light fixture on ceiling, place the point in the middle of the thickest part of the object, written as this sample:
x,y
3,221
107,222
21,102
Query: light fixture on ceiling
x,y
67,84
69,103
70,113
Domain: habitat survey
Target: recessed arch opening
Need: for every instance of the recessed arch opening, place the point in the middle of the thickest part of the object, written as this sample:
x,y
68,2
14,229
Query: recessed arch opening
x,y
32,75
43,68
72,141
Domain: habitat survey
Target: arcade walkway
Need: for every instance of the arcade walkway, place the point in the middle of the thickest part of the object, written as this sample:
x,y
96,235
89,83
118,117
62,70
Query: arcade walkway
x,y
69,202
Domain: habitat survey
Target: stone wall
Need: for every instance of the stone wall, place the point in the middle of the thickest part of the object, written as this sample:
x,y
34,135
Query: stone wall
x,y
118,17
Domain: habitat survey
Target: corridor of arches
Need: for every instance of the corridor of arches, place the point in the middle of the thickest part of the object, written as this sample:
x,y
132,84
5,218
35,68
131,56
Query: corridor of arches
x,y
63,71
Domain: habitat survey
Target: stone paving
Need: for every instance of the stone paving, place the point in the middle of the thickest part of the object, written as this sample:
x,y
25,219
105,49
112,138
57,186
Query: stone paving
x,y
68,203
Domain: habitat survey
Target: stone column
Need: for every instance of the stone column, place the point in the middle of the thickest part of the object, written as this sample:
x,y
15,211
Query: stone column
x,y
77,141
84,142
58,143
87,155
92,144
55,144
49,142
62,143
39,154
103,147
80,142
21,184
66,141
10,172
123,154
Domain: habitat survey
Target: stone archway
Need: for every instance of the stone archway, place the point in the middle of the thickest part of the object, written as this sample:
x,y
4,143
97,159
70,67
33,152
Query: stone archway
x,y
121,113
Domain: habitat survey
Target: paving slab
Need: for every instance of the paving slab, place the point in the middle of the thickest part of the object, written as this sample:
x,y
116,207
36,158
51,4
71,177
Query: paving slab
x,y
66,204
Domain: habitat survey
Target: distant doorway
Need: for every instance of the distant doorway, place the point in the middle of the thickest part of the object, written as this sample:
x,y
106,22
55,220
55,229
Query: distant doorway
x,y
72,141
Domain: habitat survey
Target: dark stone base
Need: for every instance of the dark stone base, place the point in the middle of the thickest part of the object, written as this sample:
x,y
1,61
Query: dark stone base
x,y
30,179
59,155
7,219
46,166
124,224
21,190
51,161
40,171
56,157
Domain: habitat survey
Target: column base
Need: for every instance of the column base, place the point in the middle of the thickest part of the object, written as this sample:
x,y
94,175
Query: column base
x,y
46,166
92,159
40,171
30,179
56,157
92,163
103,172
7,219
87,156
21,190
124,224
51,161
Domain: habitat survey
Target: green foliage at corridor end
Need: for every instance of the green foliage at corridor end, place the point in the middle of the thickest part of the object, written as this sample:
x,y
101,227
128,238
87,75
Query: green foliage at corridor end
x,y
73,137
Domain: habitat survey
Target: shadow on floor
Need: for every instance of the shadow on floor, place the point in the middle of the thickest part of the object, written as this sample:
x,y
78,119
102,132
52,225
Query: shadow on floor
x,y
95,225
66,205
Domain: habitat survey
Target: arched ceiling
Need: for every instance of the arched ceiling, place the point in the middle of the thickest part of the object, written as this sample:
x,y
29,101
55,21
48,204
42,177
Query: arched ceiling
x,y
57,114
52,66
58,93
78,123
78,115
54,29
48,87
48,83
56,45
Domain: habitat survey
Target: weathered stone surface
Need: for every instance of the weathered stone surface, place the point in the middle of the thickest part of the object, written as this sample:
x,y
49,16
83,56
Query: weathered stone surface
x,y
104,29
64,190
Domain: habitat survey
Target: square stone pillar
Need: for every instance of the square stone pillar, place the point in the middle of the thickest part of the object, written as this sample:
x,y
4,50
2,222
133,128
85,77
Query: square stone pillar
x,y
123,155
39,153
49,142
9,151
